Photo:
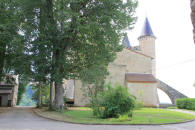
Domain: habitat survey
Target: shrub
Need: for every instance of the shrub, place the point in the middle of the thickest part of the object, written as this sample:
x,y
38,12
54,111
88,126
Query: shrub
x,y
139,104
123,118
113,102
186,103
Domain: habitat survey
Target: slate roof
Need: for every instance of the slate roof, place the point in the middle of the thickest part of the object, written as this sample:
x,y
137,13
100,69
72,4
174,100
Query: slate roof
x,y
126,42
147,30
139,77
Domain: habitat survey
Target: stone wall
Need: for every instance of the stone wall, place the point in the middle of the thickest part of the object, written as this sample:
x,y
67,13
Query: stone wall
x,y
11,81
15,91
147,46
81,97
135,62
68,89
126,61
116,74
145,92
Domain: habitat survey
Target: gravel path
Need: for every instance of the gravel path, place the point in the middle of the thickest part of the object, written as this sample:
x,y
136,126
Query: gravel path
x,y
25,119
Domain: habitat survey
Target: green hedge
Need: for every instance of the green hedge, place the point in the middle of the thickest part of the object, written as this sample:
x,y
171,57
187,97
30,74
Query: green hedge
x,y
186,103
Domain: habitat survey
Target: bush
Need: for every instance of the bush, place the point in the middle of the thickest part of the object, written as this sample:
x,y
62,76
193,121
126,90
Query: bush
x,y
113,102
139,104
186,103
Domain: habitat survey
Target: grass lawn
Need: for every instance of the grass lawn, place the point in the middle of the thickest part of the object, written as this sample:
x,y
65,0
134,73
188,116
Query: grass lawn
x,y
142,116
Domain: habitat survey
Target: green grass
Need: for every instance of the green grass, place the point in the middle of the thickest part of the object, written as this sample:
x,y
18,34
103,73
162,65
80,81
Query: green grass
x,y
171,108
142,116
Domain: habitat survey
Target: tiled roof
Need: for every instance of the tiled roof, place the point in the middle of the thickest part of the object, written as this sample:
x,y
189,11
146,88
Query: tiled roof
x,y
140,77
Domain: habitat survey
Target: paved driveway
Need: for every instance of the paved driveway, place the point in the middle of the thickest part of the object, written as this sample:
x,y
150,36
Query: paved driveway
x,y
24,119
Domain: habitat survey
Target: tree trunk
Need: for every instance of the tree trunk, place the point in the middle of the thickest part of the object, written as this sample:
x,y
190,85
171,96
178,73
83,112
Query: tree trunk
x,y
59,95
51,95
39,96
2,58
59,90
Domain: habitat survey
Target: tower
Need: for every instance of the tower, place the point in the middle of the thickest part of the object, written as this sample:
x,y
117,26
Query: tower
x,y
147,43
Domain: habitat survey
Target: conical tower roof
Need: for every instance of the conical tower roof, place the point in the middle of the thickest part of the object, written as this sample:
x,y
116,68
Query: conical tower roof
x,y
147,30
126,42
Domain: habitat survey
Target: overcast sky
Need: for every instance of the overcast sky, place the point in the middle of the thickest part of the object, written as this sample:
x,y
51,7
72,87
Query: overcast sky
x,y
175,50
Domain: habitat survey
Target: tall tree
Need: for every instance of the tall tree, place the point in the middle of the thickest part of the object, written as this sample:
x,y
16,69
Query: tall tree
x,y
85,33
37,33
10,39
67,39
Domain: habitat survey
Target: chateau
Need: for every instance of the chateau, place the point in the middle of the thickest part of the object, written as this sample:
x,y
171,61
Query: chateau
x,y
134,68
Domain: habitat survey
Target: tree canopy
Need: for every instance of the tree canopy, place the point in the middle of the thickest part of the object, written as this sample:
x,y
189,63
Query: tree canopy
x,y
65,39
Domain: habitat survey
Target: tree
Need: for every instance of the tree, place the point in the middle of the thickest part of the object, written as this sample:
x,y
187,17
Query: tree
x,y
70,38
44,95
86,33
21,88
13,49
11,44
34,27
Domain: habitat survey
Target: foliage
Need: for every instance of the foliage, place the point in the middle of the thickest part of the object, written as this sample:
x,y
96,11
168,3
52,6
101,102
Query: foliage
x,y
141,116
44,94
26,99
61,39
12,54
21,90
139,104
186,103
13,58
69,38
113,102
123,118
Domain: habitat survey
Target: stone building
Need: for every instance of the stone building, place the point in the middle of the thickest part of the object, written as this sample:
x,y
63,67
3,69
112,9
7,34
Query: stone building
x,y
9,91
134,68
